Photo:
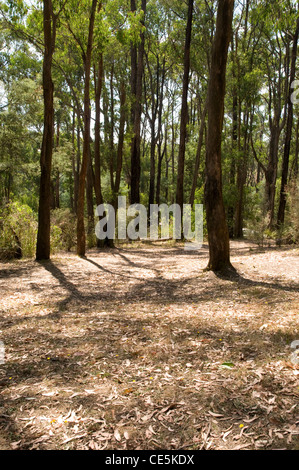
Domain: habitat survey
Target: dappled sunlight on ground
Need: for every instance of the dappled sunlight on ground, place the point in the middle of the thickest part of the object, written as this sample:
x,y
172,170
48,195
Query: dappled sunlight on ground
x,y
138,348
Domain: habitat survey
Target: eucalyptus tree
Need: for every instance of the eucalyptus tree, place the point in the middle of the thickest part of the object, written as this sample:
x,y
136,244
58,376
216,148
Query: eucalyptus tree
x,y
81,30
43,234
203,32
289,130
137,69
156,82
184,109
246,86
274,26
21,121
87,57
216,218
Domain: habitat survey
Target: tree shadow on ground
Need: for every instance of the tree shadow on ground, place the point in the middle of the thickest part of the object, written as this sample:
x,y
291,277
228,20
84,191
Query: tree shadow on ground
x,y
234,276
165,341
155,290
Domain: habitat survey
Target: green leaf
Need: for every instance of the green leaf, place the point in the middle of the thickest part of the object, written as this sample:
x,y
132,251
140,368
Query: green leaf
x,y
227,365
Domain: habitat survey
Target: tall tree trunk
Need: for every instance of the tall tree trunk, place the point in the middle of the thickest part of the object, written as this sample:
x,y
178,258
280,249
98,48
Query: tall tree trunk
x,y
241,179
184,110
159,172
81,238
52,195
288,137
57,176
75,189
43,234
89,201
98,80
271,171
296,159
216,219
173,138
167,161
160,134
235,127
121,138
111,143
151,197
276,124
71,176
152,120
133,78
77,165
198,154
136,141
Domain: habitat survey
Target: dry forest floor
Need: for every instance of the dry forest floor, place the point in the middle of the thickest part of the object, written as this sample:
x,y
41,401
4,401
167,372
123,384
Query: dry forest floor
x,y
139,348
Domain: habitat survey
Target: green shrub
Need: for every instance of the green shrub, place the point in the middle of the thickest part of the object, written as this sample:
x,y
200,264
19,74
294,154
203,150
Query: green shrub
x,y
18,230
56,242
63,230
291,228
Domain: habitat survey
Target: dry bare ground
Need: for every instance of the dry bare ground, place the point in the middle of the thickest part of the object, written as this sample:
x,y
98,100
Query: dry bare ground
x,y
138,348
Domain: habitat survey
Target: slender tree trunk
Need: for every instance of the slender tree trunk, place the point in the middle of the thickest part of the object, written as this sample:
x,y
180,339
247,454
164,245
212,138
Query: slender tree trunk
x,y
120,147
98,82
111,159
296,160
167,161
98,79
71,187
184,110
235,127
159,172
74,196
160,135
173,137
133,78
151,198
57,176
89,201
43,234
288,137
271,172
136,141
216,219
241,179
198,154
81,238
152,120
276,124
77,165
52,195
